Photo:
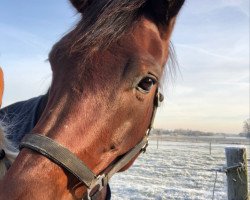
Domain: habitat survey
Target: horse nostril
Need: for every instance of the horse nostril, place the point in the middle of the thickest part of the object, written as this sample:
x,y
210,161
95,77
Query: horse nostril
x,y
112,147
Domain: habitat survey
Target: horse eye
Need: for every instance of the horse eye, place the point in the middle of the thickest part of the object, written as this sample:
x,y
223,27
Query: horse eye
x,y
146,84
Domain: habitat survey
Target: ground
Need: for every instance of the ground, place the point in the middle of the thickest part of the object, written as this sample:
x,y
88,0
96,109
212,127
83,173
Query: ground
x,y
176,170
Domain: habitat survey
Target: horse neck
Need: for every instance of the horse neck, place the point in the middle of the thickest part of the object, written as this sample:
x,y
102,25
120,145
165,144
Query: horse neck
x,y
41,106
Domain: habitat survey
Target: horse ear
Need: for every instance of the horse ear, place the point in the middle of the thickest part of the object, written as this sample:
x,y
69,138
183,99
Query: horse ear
x,y
1,85
80,5
165,10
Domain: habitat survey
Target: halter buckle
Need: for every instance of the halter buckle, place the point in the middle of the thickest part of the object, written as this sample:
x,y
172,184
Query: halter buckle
x,y
159,98
144,148
96,187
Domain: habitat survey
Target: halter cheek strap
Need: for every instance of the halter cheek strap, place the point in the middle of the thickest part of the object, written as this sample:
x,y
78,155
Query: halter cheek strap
x,y
67,160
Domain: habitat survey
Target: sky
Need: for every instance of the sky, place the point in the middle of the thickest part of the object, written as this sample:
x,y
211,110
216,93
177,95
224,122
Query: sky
x,y
211,39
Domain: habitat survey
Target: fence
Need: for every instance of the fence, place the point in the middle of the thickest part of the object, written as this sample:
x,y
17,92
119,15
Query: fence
x,y
209,140
236,171
236,168
178,169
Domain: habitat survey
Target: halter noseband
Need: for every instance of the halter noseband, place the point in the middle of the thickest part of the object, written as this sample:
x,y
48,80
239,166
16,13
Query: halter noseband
x,y
67,160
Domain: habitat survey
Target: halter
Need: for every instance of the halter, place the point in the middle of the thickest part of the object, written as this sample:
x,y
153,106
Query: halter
x,y
67,160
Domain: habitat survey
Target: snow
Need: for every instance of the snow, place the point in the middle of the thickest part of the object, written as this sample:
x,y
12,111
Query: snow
x,y
176,170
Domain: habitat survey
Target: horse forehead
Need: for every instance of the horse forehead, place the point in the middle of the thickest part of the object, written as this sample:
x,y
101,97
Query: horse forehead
x,y
147,39
150,26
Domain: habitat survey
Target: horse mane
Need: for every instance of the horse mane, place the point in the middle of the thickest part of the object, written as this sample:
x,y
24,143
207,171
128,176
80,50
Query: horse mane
x,y
104,22
9,149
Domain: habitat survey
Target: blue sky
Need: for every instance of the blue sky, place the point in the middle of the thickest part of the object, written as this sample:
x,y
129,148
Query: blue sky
x,y
211,91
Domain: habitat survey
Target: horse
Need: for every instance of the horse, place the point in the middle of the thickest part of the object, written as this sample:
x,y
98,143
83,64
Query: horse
x,y
101,104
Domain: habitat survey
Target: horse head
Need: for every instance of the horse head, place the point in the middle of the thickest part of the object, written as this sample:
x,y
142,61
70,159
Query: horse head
x,y
106,74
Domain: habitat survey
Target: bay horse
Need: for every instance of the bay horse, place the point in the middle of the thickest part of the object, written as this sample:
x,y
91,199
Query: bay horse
x,y
101,102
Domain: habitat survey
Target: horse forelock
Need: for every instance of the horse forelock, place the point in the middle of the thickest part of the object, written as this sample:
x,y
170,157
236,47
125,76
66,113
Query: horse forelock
x,y
103,23
5,132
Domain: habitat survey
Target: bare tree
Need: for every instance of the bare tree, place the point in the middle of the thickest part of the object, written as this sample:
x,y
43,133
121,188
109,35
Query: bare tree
x,y
246,127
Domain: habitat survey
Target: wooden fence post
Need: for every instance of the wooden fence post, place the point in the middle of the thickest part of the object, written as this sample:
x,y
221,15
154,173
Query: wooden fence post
x,y
236,170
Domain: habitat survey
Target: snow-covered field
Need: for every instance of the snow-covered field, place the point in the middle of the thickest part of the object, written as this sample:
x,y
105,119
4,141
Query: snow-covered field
x,y
176,170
